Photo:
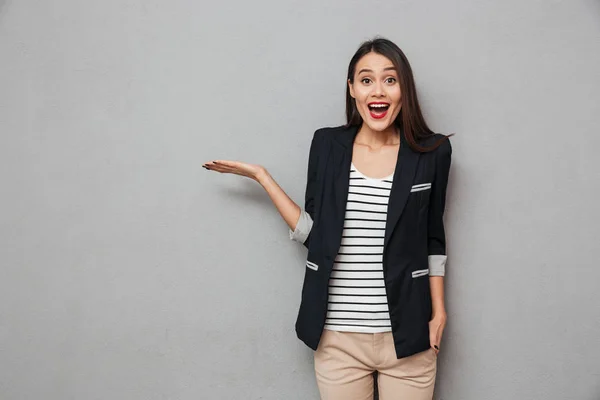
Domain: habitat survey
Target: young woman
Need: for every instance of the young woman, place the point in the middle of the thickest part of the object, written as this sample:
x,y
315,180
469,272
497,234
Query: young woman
x,y
373,296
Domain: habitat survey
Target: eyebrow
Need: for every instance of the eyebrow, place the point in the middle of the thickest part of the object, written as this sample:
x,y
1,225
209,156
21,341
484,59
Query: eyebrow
x,y
370,70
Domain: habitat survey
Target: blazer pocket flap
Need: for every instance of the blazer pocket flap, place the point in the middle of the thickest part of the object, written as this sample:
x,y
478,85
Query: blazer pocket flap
x,y
312,265
420,272
420,187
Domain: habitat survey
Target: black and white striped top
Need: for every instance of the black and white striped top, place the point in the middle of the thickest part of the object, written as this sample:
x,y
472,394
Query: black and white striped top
x,y
357,297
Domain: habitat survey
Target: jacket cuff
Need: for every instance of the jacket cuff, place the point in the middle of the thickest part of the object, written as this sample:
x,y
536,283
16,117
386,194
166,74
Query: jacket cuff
x,y
303,227
437,265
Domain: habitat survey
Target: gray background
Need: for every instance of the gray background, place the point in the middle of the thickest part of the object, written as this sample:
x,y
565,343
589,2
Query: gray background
x,y
129,272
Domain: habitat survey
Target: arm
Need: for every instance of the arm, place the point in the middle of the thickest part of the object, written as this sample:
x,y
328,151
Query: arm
x,y
286,206
289,210
437,241
298,220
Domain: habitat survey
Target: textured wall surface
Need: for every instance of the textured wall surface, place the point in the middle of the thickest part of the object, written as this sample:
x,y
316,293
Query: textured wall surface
x,y
129,272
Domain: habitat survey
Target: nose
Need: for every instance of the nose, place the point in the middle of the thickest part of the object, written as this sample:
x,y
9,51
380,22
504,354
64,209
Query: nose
x,y
378,89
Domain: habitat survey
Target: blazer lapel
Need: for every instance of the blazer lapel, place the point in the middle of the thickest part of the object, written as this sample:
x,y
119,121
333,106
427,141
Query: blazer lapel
x,y
404,174
342,157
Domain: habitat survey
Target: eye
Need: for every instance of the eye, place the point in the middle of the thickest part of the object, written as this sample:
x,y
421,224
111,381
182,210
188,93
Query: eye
x,y
365,81
391,80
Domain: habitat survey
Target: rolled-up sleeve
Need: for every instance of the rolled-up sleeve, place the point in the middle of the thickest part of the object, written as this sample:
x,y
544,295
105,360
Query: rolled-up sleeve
x,y
303,227
436,241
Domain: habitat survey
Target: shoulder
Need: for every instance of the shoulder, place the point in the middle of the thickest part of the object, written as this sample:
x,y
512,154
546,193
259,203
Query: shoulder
x,y
329,132
323,135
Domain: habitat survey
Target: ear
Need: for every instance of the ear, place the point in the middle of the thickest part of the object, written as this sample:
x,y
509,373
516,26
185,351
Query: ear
x,y
351,88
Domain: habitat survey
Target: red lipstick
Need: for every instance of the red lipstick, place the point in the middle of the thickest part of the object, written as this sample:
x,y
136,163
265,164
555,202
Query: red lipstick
x,y
378,109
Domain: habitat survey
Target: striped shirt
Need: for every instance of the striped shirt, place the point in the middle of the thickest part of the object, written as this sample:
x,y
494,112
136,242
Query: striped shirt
x,y
357,296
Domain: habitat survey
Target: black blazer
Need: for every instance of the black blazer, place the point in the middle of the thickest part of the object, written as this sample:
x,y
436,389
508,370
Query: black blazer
x,y
414,231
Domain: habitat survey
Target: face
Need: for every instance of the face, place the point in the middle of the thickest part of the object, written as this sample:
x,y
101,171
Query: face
x,y
376,90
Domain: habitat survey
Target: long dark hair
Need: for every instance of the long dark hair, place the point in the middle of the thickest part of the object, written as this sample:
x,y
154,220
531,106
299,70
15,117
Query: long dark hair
x,y
410,120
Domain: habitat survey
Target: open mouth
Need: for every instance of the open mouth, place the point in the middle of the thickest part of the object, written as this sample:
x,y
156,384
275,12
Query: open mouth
x,y
378,110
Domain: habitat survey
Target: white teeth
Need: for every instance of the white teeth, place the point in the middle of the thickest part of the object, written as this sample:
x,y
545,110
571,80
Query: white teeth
x,y
379,105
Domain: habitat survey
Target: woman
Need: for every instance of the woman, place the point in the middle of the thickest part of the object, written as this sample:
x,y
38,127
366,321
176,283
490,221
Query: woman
x,y
373,297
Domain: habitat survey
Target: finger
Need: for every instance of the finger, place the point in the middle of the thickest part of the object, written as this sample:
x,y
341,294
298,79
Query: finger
x,y
222,170
212,167
213,163
226,163
226,170
219,167
209,165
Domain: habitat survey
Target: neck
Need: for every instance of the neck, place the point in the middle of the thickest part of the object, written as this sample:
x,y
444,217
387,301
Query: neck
x,y
369,137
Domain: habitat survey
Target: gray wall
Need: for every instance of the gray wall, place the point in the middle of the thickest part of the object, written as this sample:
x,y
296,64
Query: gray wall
x,y
129,272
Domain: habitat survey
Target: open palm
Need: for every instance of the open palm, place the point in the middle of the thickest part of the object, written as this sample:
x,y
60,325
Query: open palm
x,y
251,171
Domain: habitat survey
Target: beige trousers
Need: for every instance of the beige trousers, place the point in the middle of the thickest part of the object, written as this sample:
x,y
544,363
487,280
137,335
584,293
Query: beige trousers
x,y
345,361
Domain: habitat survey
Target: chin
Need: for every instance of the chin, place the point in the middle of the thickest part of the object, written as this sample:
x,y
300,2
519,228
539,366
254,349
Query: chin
x,y
377,126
